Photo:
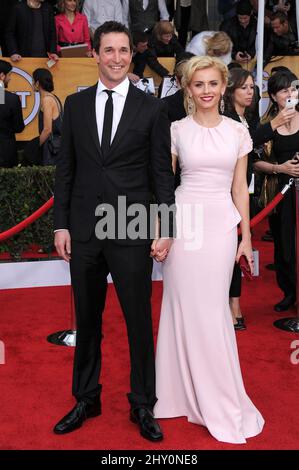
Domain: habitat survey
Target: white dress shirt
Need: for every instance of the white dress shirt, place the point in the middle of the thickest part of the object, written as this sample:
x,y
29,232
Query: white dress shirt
x,y
164,15
119,97
99,11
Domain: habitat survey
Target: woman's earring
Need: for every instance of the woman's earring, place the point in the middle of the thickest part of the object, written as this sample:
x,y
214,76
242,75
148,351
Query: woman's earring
x,y
222,105
190,105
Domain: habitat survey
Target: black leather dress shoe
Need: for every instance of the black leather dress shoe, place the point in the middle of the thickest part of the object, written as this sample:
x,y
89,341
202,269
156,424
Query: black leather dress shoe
x,y
74,419
285,303
149,427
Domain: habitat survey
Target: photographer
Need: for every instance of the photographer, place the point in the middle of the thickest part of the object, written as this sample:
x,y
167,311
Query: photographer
x,y
283,38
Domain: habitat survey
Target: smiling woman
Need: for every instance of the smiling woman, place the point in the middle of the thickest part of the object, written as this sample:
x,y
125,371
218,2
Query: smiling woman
x,y
196,337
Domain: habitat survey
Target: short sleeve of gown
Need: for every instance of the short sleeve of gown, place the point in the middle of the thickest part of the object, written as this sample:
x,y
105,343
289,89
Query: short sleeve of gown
x,y
245,142
174,138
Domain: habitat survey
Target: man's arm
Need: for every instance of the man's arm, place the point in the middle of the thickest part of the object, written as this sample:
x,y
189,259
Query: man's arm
x,y
161,163
164,15
154,64
52,30
86,11
126,15
65,170
11,42
18,123
119,12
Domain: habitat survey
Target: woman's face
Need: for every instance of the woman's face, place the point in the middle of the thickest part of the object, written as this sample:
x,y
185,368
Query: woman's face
x,y
70,5
282,95
206,88
166,38
243,96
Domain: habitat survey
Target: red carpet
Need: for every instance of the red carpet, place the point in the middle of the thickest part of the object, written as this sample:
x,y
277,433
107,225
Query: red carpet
x,y
36,379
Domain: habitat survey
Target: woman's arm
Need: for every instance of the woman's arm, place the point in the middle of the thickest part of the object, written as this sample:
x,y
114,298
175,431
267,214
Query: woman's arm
x,y
174,162
240,197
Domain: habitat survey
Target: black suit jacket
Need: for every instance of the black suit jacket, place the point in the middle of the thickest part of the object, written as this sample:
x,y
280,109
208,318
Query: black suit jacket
x,y
175,106
18,32
11,121
138,164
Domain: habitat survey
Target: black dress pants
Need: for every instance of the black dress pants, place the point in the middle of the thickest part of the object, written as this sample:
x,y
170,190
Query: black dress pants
x,y
130,268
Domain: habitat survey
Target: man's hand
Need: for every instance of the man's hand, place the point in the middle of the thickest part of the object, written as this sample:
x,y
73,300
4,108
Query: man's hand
x,y
242,58
133,77
53,56
16,58
160,248
62,242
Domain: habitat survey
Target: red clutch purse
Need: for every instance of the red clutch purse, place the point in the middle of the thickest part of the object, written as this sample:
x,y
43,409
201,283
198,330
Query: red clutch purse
x,y
245,268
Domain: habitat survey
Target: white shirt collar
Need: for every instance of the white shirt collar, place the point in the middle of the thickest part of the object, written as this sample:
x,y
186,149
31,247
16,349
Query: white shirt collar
x,y
122,89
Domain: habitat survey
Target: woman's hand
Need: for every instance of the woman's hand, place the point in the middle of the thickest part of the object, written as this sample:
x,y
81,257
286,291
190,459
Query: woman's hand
x,y
283,117
290,167
245,248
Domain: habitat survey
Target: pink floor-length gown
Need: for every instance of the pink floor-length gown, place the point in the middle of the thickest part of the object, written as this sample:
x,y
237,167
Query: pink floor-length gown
x,y
197,363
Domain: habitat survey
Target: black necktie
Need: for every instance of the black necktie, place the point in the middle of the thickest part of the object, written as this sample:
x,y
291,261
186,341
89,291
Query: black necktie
x,y
107,124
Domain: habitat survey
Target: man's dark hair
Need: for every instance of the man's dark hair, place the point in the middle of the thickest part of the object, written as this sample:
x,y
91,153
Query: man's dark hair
x,y
110,27
244,8
139,36
5,67
279,16
280,68
44,78
234,65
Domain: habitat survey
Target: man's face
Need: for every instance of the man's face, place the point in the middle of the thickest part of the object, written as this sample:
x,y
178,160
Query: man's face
x,y
141,47
279,28
244,20
113,58
5,78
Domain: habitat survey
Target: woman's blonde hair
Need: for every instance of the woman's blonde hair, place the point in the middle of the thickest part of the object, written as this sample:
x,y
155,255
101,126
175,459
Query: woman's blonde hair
x,y
163,27
219,44
61,6
200,63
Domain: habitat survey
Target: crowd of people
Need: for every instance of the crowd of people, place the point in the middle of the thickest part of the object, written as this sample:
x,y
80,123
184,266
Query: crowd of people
x,y
209,153
39,28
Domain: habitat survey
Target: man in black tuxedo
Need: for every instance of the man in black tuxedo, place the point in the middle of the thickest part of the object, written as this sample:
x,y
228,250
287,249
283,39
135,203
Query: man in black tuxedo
x,y
115,142
11,119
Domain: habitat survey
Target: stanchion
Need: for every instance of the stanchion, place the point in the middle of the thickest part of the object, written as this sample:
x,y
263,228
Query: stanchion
x,y
66,337
292,324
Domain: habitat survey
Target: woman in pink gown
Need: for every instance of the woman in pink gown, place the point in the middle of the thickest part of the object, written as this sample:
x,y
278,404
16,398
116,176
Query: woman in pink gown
x,y
198,370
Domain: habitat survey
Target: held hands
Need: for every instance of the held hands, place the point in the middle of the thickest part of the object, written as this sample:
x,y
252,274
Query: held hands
x,y
62,242
245,248
160,248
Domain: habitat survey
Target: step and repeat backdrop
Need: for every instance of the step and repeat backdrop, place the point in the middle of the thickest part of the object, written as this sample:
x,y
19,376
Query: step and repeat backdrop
x,y
73,75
